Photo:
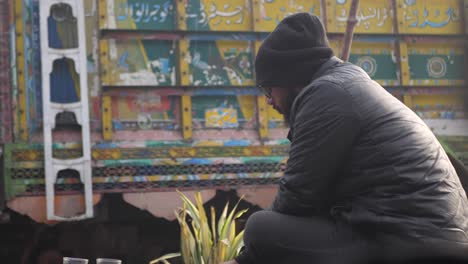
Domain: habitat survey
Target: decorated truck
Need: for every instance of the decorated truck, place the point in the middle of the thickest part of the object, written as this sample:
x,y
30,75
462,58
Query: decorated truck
x,y
143,97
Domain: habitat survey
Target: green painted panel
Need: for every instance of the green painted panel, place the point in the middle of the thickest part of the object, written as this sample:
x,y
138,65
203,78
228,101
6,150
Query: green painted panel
x,y
378,66
220,63
423,67
142,62
194,18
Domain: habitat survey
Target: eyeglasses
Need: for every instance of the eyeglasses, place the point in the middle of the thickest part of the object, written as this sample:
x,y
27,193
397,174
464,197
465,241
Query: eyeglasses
x,y
265,90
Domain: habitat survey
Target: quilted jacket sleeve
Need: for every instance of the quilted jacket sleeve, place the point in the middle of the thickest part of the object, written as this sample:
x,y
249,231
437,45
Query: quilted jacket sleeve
x,y
323,131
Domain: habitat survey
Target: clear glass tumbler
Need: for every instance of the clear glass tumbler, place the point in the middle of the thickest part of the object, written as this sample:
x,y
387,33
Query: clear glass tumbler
x,y
108,261
67,260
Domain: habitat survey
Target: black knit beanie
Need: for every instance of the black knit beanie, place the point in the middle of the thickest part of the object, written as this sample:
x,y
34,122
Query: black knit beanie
x,y
293,52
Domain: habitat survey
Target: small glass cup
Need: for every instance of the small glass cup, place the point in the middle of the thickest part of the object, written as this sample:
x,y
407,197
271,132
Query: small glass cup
x,y
108,261
67,260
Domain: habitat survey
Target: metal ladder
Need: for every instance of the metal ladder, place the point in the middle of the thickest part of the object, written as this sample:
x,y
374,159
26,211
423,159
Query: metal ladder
x,y
80,109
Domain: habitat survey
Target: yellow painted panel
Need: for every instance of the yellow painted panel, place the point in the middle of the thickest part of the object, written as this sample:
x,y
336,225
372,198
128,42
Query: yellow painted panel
x,y
433,100
336,46
184,58
267,14
186,117
229,15
374,47
181,15
273,115
106,70
429,17
221,118
262,116
408,100
363,47
102,9
404,64
373,16
257,45
22,126
247,105
107,117
465,7
437,48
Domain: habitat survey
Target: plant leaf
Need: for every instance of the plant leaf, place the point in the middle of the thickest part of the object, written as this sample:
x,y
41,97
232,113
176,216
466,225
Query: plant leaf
x,y
228,222
191,208
222,219
236,245
206,242
203,242
164,258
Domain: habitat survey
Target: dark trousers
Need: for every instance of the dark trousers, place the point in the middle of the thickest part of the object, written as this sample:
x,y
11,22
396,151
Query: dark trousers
x,y
271,237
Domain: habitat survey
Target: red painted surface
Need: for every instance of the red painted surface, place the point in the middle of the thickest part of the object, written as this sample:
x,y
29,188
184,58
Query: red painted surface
x,y
35,206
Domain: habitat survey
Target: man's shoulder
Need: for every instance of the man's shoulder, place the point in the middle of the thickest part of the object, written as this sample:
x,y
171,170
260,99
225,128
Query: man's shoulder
x,y
325,94
342,74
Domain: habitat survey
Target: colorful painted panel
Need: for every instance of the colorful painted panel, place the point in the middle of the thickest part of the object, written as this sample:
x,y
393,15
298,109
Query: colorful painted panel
x,y
140,63
430,17
268,13
216,63
435,64
32,70
220,15
138,14
372,16
146,111
6,87
64,79
221,112
155,167
92,57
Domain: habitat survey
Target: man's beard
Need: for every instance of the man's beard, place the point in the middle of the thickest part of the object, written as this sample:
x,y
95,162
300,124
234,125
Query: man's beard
x,y
288,102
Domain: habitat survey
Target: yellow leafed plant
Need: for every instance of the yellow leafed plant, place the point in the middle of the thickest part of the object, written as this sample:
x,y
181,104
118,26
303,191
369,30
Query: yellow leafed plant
x,y
203,241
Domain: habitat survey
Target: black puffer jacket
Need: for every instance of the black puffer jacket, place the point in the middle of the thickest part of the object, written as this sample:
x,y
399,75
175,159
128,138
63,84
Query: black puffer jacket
x,y
360,155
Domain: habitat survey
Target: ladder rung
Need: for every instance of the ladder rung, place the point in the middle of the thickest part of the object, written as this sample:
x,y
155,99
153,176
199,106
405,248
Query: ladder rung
x,y
65,107
69,162
63,52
